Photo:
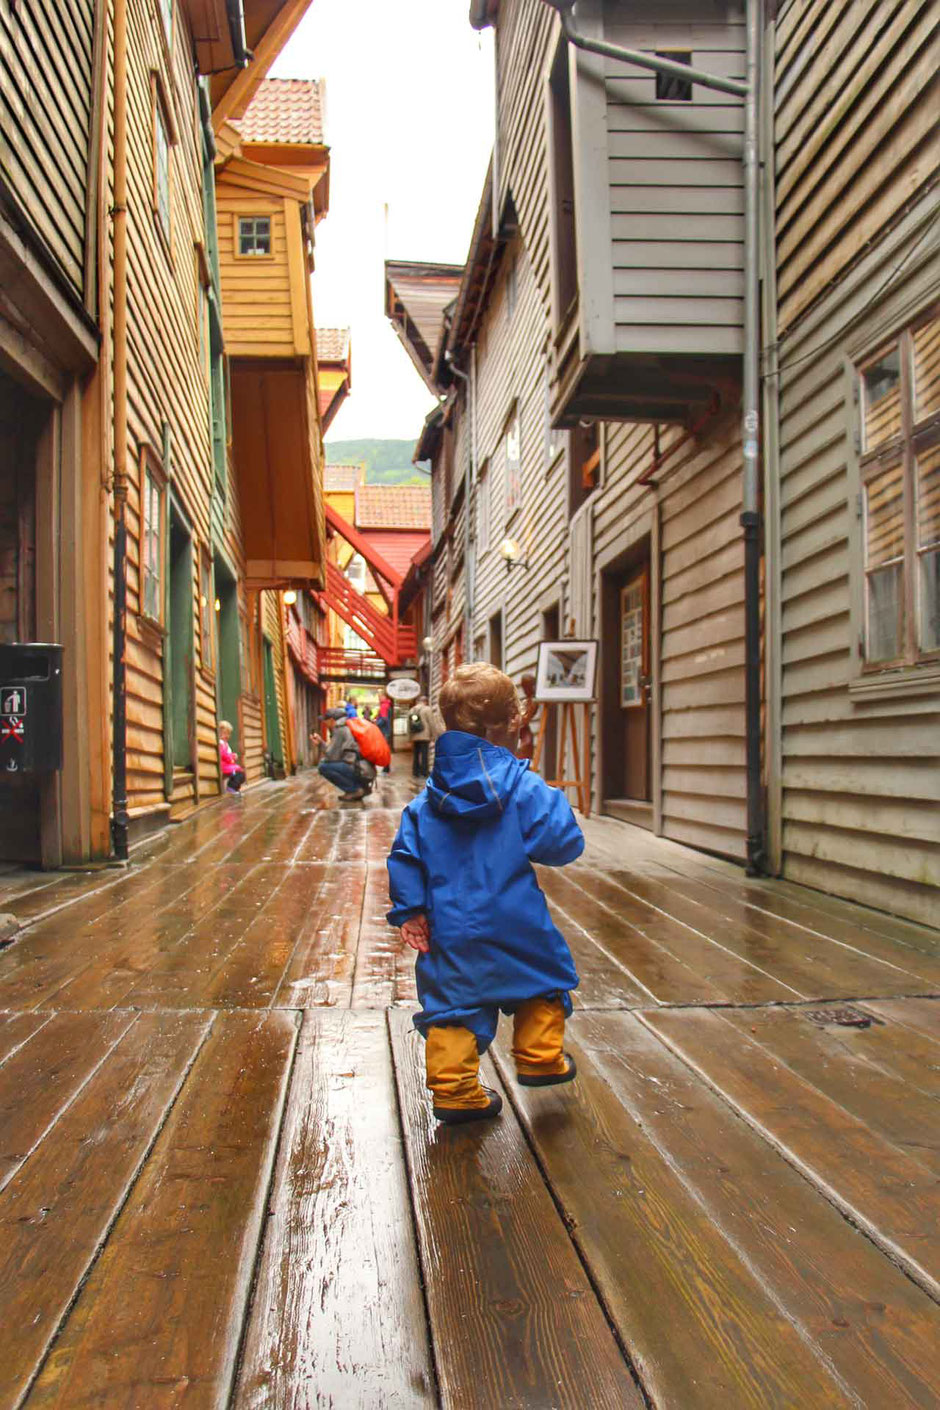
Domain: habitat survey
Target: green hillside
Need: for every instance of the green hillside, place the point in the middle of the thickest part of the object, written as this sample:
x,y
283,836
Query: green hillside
x,y
386,462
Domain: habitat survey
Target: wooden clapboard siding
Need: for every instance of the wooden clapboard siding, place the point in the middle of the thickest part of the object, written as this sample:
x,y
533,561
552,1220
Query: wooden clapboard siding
x,y
167,386
256,293
855,116
46,76
678,284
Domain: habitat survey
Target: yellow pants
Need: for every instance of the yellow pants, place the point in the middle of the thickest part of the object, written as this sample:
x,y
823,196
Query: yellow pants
x,y
453,1063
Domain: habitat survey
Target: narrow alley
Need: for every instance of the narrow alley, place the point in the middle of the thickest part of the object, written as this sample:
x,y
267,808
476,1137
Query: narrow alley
x,y
221,1183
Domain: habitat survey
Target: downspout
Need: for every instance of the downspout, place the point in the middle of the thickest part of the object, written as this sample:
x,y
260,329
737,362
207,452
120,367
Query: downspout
x,y
750,425
750,419
119,818
467,500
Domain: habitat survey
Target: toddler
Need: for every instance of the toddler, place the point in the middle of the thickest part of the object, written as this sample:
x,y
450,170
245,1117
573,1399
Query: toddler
x,y
465,895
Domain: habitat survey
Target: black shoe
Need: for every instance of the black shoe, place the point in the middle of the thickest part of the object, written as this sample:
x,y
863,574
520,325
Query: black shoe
x,y
551,1079
459,1116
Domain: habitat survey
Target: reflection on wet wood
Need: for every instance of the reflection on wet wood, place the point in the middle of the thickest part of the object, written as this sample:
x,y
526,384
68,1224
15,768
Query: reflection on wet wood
x,y
320,969
160,1315
883,1189
385,968
922,1016
338,1316
704,1331
514,1319
56,1214
863,1319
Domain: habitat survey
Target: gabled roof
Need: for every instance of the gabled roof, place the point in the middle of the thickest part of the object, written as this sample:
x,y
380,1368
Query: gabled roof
x,y
417,297
393,507
284,112
343,479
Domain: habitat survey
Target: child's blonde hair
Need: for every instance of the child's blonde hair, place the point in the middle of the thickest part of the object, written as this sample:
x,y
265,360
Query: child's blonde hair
x,y
478,698
224,724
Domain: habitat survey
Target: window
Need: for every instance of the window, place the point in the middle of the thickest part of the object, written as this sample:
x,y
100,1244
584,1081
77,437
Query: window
x,y
496,640
166,15
561,172
483,508
207,610
161,170
479,648
513,449
584,463
668,88
356,572
254,236
899,403
153,488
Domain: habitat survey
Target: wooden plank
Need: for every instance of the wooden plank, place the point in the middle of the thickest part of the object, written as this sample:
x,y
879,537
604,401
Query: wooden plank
x,y
651,952
842,1063
869,1326
57,1212
385,968
16,1029
338,1315
320,970
43,1077
160,1313
922,1016
886,1193
514,1320
811,970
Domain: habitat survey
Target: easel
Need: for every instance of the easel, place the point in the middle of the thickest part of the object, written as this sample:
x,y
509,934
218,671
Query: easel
x,y
581,756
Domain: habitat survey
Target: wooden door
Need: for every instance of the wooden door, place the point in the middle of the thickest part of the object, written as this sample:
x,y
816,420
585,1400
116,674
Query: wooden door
x,y
634,685
180,642
228,651
271,717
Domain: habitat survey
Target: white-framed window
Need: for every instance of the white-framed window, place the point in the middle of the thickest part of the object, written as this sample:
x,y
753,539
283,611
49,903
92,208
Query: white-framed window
x,y
166,16
153,494
254,237
161,169
483,508
356,572
899,472
512,445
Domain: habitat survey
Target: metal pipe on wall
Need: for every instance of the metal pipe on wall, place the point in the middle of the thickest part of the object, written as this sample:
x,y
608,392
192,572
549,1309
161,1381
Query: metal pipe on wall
x,y
119,818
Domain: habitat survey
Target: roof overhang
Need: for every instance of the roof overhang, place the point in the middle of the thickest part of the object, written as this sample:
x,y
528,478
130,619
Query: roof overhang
x,y
335,383
417,297
268,26
483,13
274,430
218,34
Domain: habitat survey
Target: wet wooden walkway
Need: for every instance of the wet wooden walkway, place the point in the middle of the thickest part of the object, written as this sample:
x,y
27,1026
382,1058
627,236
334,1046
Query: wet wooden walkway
x,y
220,1182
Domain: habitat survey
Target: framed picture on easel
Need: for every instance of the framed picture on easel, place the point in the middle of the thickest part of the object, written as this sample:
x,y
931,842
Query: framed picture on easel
x,y
566,672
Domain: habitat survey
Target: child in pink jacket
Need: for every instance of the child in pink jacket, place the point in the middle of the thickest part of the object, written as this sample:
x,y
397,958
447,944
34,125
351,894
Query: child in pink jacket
x,y
232,772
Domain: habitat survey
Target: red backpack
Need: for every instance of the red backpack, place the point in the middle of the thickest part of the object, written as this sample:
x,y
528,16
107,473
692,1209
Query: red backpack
x,y
372,742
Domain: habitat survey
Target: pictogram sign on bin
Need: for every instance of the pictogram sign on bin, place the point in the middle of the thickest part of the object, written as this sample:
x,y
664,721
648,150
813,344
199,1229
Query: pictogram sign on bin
x,y
30,708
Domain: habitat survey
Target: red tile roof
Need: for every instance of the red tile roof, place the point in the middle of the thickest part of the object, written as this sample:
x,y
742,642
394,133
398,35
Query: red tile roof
x,y
393,507
342,479
332,344
397,546
285,111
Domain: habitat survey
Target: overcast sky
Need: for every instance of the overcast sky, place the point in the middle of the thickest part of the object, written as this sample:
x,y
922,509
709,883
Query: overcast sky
x,y
409,120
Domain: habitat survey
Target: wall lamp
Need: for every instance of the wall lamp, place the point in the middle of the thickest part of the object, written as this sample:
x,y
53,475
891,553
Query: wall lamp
x,y
290,597
510,550
427,644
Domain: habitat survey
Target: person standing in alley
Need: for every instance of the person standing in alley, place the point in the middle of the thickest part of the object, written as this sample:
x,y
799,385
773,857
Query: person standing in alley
x,y
384,717
343,763
465,895
422,728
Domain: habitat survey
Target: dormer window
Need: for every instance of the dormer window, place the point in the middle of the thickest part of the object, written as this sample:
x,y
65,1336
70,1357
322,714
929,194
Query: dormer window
x,y
670,89
254,235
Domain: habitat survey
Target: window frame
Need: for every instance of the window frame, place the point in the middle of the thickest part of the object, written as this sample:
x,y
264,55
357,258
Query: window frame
x,y
152,476
903,447
161,118
512,470
484,508
207,613
237,218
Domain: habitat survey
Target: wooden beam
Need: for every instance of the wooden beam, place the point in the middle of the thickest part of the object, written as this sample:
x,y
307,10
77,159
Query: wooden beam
x,y
352,536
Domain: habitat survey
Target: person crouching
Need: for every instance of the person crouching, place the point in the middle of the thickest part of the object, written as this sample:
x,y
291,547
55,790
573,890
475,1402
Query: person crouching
x,y
465,895
343,764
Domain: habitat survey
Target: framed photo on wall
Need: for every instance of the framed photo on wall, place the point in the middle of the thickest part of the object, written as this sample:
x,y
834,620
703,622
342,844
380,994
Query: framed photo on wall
x,y
566,671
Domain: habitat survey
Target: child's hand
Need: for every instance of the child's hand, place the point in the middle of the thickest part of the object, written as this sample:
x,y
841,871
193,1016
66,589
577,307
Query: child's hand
x,y
417,933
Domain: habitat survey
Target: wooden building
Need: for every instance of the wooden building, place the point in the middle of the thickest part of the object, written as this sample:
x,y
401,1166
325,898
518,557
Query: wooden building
x,y
626,523
113,405
854,454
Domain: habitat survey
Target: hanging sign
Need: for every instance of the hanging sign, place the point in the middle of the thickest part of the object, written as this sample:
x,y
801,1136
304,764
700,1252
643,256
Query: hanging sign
x,y
403,690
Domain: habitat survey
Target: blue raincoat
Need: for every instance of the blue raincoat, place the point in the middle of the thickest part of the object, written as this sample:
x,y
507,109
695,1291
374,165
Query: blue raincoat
x,y
463,855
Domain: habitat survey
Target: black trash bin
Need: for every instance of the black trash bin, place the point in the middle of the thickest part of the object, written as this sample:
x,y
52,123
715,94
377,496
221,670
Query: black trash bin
x,y
30,708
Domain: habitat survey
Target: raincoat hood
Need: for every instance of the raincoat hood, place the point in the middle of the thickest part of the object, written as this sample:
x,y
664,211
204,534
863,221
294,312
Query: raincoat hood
x,y
472,779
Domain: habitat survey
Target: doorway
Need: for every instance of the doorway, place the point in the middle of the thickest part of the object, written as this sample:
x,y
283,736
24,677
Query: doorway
x,y
626,689
179,703
228,652
496,640
551,631
271,718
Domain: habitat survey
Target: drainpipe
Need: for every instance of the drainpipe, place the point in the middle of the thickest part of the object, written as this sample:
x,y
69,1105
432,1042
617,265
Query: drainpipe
x,y
751,501
750,421
467,501
119,818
